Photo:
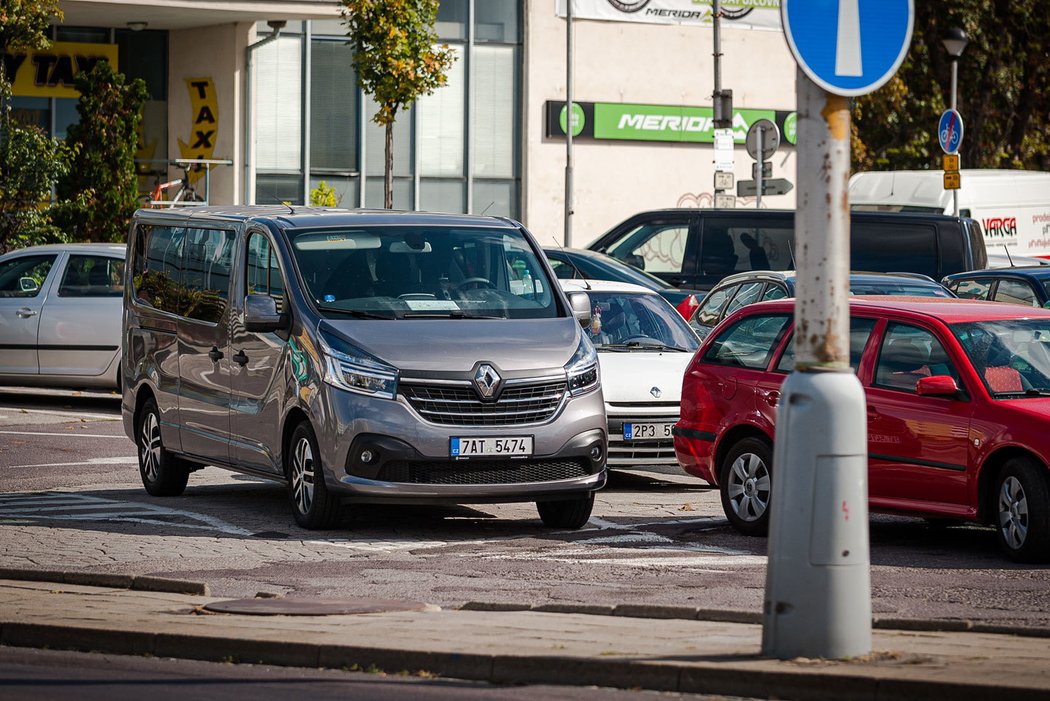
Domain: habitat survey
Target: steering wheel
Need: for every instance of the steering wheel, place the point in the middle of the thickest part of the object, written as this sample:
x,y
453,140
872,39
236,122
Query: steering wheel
x,y
475,283
640,337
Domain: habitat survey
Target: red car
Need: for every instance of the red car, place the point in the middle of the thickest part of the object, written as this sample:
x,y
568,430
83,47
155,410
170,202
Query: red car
x,y
958,401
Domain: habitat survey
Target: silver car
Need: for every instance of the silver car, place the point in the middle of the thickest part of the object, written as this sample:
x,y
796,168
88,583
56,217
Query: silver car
x,y
60,310
360,356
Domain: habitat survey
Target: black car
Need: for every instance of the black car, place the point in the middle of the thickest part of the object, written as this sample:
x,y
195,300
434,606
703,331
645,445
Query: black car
x,y
1029,285
581,264
742,289
696,248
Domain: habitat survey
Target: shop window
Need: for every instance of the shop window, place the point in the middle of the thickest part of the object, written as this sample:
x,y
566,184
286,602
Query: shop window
x,y
275,188
374,142
442,195
442,124
452,20
347,188
493,123
144,55
496,20
89,35
333,107
402,192
278,105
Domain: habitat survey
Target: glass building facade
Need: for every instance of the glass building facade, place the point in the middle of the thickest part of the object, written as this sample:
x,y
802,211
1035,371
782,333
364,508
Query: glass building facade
x,y
457,150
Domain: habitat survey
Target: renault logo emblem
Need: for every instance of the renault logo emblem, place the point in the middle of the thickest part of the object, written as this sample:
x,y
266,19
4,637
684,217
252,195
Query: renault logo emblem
x,y
655,391
487,381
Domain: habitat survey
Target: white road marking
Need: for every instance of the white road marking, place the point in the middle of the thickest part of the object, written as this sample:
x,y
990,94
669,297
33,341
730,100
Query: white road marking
x,y
56,412
119,460
63,435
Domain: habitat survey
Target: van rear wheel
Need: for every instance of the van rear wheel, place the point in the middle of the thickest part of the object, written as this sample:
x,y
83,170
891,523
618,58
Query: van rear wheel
x,y
313,506
163,474
572,514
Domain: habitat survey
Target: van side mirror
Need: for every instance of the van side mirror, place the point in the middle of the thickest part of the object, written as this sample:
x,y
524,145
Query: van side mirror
x,y
937,386
261,315
581,307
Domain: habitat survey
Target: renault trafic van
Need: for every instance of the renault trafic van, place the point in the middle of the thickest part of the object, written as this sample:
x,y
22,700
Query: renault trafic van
x,y
366,356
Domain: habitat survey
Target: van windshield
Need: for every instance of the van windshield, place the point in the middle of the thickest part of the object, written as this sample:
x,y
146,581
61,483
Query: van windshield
x,y
410,272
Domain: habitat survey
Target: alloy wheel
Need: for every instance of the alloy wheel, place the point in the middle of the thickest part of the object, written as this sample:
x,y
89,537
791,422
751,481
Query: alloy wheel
x,y
1013,512
303,475
748,487
150,447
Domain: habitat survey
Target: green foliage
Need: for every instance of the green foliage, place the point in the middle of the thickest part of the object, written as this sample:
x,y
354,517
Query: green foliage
x,y
1002,95
30,165
99,192
323,195
24,23
396,58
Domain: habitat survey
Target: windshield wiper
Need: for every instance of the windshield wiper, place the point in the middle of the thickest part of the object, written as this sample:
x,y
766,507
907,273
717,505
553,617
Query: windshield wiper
x,y
358,313
1031,392
647,346
449,314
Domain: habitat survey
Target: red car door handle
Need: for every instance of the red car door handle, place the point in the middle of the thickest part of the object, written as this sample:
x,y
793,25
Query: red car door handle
x,y
772,398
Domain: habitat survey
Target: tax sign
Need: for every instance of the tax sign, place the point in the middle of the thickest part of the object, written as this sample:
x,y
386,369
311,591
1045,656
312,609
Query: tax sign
x,y
950,131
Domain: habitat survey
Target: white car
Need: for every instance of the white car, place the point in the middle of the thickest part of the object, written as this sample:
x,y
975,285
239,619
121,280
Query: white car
x,y
60,315
643,346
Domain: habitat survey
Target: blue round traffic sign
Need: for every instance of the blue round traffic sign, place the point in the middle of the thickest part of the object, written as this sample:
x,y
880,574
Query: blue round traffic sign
x,y
848,47
950,131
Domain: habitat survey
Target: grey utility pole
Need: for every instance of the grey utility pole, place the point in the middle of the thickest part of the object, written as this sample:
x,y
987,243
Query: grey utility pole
x,y
955,41
818,588
569,122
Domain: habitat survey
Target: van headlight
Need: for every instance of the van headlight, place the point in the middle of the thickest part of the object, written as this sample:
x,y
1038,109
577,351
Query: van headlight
x,y
582,369
350,368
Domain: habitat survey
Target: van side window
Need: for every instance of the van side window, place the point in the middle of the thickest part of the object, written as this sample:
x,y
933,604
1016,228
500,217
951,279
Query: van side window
x,y
655,247
206,273
726,248
157,267
893,247
263,271
92,276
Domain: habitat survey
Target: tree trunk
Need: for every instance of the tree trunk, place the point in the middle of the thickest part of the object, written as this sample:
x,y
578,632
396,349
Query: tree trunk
x,y
388,176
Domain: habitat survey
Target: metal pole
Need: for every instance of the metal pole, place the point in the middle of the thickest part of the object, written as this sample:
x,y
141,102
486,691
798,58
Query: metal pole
x,y
758,175
818,588
569,123
955,84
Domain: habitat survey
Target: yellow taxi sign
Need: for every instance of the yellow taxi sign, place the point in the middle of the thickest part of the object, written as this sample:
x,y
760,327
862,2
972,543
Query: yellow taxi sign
x,y
952,180
951,162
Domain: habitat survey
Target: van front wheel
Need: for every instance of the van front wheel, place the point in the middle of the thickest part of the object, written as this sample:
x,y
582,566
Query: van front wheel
x,y
312,505
572,514
163,474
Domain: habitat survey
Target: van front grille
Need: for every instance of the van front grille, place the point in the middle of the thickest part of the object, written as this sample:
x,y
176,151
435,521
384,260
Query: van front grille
x,y
483,471
458,405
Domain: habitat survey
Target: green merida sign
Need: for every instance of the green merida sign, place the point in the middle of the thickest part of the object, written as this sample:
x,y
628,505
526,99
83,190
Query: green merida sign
x,y
609,121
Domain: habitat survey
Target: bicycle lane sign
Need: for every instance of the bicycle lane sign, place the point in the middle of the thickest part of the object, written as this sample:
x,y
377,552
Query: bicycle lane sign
x,y
950,131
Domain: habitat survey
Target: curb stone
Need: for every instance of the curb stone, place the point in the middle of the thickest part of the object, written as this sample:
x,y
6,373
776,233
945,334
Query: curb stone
x,y
112,581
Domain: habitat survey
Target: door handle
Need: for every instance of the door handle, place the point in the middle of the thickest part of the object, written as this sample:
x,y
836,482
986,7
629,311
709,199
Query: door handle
x,y
25,313
772,398
240,358
215,354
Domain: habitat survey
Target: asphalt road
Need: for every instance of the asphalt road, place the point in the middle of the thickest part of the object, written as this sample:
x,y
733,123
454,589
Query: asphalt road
x,y
58,676
70,498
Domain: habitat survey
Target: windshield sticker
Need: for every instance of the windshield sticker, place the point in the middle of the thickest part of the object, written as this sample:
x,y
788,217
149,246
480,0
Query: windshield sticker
x,y
429,305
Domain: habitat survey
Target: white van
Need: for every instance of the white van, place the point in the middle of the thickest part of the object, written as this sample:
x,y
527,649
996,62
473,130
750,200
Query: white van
x,y
1012,206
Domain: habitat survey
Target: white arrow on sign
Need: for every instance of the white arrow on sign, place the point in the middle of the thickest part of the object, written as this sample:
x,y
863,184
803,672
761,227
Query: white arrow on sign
x,y
847,45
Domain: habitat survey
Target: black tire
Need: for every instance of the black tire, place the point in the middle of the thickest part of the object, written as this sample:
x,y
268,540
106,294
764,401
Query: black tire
x,y
1021,506
744,481
313,506
570,514
163,473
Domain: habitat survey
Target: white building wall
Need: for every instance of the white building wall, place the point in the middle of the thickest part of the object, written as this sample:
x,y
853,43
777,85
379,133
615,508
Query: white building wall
x,y
647,64
216,53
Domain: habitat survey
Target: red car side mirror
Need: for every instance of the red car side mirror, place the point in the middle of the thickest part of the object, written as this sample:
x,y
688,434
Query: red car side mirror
x,y
937,386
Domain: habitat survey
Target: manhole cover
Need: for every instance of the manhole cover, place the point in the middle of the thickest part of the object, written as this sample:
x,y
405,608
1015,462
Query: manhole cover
x,y
315,607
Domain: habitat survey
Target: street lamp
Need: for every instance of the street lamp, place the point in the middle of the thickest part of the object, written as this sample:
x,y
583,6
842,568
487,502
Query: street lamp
x,y
955,41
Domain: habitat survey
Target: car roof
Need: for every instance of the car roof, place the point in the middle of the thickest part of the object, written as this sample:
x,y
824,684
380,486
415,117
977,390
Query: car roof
x,y
292,216
791,275
72,248
947,309
604,286
1033,271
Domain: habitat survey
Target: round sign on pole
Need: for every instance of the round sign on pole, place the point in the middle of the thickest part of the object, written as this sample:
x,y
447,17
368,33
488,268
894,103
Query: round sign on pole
x,y
848,47
770,140
950,131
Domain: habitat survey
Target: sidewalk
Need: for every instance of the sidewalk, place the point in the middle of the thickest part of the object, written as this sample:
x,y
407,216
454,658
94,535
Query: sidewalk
x,y
674,654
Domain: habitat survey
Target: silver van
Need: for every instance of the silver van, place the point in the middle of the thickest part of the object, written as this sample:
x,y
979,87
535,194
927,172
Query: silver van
x,y
365,356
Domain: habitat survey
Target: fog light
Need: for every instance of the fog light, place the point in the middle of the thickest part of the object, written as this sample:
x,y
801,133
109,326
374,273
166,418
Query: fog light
x,y
596,452
367,456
